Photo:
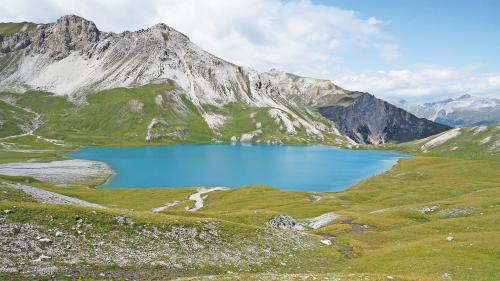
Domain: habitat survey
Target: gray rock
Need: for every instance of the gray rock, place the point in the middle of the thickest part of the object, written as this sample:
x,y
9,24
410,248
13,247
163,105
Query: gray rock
x,y
284,222
429,208
42,258
122,220
456,212
368,120
446,276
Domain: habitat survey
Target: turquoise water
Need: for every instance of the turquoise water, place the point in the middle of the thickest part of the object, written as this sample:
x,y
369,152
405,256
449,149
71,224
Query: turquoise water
x,y
298,167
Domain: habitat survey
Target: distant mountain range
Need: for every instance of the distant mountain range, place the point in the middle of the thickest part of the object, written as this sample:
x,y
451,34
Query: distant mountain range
x,y
74,59
463,111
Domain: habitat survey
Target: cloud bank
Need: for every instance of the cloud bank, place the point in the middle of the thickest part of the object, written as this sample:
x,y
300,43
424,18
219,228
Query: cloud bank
x,y
424,82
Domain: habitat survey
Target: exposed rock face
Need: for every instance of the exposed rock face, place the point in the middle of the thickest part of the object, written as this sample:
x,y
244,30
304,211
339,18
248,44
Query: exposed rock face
x,y
72,57
371,120
69,33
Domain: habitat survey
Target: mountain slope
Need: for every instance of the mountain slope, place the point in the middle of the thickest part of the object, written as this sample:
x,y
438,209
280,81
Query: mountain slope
x,y
367,119
463,111
72,57
14,120
478,142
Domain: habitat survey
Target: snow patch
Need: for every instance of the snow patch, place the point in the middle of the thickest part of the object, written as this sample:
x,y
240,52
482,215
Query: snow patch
x,y
159,100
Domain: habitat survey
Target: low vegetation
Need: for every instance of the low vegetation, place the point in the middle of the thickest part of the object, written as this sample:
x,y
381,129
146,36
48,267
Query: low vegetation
x,y
153,114
432,217
9,28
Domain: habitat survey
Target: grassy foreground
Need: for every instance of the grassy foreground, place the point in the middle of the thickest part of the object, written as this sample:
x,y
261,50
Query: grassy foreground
x,y
394,225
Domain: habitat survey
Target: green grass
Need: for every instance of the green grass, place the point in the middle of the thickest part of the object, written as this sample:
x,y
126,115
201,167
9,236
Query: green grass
x,y
121,116
399,240
10,28
12,119
109,117
467,145
31,148
13,195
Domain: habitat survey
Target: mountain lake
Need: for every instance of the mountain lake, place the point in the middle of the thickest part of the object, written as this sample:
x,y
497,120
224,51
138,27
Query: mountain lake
x,y
292,167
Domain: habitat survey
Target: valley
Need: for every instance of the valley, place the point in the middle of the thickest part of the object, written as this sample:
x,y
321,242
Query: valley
x,y
67,85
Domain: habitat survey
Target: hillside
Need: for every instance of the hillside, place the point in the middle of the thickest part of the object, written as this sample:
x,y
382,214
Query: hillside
x,y
73,57
480,142
367,119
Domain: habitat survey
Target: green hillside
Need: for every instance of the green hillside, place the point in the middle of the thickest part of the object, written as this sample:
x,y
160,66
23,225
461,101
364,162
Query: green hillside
x,y
13,119
9,28
123,116
480,142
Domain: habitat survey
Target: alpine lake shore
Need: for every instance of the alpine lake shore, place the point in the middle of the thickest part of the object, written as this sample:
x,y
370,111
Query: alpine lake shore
x,y
433,216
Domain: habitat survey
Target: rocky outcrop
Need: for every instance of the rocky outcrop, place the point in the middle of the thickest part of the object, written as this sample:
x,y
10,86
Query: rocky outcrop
x,y
370,120
69,33
283,222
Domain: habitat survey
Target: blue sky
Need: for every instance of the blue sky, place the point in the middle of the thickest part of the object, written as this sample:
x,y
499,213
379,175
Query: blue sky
x,y
443,32
417,50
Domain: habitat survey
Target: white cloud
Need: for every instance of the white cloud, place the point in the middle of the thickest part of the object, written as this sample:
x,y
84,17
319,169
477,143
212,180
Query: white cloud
x,y
295,36
424,82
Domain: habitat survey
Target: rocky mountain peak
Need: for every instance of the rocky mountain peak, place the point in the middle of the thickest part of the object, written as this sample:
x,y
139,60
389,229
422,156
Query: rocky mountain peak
x,y
160,26
70,33
463,97
56,40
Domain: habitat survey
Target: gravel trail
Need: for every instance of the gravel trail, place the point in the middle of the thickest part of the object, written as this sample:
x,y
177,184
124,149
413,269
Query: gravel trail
x,y
49,197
